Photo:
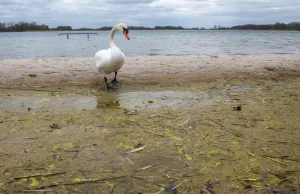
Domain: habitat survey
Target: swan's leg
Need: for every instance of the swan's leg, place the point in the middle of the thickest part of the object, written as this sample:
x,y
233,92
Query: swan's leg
x,y
110,89
114,82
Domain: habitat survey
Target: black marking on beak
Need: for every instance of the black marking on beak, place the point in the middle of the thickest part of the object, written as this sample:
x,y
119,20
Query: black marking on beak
x,y
125,30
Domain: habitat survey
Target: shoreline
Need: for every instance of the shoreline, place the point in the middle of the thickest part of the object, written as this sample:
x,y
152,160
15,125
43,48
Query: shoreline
x,y
15,72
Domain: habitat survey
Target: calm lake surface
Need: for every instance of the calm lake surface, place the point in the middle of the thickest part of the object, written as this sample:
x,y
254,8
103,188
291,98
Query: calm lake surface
x,y
17,45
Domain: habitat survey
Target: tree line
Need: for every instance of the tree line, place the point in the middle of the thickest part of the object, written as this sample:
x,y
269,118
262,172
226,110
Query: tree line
x,y
22,26
146,28
33,26
276,26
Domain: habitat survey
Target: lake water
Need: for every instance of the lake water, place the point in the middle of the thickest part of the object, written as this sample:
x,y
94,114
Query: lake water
x,y
16,45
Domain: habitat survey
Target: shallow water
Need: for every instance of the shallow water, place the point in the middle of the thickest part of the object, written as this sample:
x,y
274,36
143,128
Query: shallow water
x,y
127,100
16,45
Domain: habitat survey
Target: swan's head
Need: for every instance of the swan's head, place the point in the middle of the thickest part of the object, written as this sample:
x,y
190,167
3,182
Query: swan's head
x,y
123,28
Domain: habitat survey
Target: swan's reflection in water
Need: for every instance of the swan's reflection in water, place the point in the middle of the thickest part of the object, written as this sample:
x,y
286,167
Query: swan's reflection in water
x,y
108,101
131,100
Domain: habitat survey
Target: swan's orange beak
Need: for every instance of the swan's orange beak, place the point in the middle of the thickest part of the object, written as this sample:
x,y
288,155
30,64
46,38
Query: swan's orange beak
x,y
126,35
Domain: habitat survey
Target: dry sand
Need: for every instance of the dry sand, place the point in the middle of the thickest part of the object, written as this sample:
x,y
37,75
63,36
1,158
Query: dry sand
x,y
15,72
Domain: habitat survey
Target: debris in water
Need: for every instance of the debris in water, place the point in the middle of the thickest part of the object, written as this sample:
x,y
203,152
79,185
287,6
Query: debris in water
x,y
171,189
130,112
185,122
31,137
6,171
192,125
138,145
55,126
130,161
32,75
238,108
136,150
207,188
56,156
144,168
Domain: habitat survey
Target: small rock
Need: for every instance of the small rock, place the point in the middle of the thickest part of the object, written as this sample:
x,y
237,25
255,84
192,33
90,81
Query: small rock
x,y
238,108
55,126
138,145
169,189
56,156
207,188
130,112
6,171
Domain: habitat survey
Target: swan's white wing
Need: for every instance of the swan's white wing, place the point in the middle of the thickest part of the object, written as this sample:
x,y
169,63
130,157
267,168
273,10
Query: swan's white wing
x,y
103,60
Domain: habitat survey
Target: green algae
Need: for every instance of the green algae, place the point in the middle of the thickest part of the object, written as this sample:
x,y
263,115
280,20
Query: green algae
x,y
32,75
34,182
214,145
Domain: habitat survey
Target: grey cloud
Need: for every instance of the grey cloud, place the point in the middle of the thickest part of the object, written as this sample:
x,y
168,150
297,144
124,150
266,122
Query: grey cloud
x,y
122,2
187,13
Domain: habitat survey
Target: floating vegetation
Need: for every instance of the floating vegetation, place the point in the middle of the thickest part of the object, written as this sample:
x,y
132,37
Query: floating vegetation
x,y
32,75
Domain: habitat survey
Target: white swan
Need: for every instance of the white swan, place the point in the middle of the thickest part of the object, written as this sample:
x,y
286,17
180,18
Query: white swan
x,y
112,59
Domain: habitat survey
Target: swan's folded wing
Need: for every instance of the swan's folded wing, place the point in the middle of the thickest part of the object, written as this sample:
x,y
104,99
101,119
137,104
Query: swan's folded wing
x,y
102,58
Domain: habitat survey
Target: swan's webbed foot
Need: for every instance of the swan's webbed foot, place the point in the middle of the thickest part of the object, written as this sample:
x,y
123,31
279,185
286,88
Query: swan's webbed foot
x,y
115,82
109,89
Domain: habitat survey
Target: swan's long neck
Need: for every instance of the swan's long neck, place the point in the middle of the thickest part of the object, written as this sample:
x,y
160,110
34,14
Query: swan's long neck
x,y
111,37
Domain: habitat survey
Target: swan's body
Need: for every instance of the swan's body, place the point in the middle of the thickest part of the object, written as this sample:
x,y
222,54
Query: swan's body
x,y
112,59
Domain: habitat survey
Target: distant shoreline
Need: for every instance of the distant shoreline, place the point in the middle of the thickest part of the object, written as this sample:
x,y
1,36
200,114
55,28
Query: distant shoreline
x,y
76,30
25,26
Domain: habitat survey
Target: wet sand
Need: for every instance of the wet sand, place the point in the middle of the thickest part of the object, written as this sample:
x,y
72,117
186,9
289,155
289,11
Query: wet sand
x,y
228,120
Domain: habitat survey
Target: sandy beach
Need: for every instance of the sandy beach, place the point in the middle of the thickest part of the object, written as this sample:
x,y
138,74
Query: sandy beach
x,y
177,124
64,70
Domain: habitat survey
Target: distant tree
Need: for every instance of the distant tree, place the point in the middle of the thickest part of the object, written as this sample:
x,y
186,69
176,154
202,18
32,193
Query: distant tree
x,y
44,27
168,28
293,26
2,27
279,26
106,28
139,28
84,29
63,28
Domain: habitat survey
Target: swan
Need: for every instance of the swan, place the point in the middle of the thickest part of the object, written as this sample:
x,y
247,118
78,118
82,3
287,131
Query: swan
x,y
112,59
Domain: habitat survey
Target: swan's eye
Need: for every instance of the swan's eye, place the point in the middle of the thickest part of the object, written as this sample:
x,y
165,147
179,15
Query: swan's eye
x,y
125,30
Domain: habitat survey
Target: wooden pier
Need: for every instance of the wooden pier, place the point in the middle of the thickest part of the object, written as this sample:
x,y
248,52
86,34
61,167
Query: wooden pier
x,y
87,33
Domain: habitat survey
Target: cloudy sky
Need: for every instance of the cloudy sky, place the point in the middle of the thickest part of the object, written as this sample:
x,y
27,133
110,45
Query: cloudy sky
x,y
186,13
